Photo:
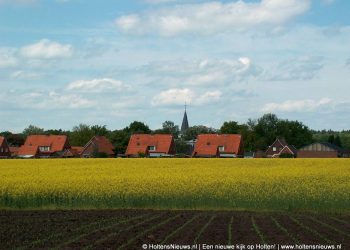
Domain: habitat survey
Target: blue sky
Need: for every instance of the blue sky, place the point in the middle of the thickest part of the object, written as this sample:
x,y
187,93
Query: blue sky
x,y
65,62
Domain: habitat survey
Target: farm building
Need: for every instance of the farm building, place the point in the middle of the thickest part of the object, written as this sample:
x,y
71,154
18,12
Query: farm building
x,y
320,150
14,151
43,146
4,148
98,146
214,145
158,145
280,147
73,152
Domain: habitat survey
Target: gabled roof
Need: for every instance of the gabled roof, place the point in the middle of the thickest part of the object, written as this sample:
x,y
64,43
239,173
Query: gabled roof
x,y
2,139
102,144
73,152
55,142
28,151
139,143
208,144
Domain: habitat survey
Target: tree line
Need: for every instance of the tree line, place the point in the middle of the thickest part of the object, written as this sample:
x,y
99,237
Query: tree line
x,y
257,134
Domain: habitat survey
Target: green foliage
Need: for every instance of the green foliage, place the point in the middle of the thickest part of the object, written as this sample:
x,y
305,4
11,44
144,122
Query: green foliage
x,y
324,136
33,130
230,127
183,148
120,140
192,132
169,127
138,128
285,155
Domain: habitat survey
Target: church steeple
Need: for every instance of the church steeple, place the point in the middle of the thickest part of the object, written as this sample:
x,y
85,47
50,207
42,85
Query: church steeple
x,y
184,125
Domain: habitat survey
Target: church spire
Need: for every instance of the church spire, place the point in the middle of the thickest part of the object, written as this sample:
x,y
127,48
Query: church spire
x,y
184,125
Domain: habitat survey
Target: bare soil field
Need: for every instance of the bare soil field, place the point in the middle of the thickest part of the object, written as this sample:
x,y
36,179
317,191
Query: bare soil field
x,y
131,229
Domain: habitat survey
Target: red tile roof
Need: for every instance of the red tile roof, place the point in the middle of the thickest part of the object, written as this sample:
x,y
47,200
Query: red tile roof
x,y
102,143
208,144
139,143
2,139
57,143
14,150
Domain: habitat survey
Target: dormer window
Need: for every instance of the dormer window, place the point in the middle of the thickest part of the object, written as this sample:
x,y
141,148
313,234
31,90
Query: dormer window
x,y
44,149
274,149
151,148
221,148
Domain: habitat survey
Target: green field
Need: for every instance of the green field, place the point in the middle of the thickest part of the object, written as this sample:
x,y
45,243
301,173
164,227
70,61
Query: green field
x,y
213,184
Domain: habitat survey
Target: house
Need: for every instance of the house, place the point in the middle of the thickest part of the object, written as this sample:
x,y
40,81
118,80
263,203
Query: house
x,y
14,151
215,145
320,150
73,152
44,146
279,148
4,148
98,146
158,145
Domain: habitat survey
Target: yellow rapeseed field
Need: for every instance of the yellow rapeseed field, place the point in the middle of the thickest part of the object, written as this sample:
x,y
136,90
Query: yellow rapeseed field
x,y
253,184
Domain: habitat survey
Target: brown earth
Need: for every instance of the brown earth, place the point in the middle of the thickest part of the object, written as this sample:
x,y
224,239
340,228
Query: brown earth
x,y
130,229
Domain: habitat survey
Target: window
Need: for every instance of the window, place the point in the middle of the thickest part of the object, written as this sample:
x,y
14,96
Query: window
x,y
2,150
151,148
274,149
221,148
44,149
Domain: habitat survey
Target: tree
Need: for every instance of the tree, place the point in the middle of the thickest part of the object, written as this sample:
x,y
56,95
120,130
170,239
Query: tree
x,y
169,127
14,140
33,130
331,139
120,140
138,128
337,141
192,132
230,127
98,130
81,135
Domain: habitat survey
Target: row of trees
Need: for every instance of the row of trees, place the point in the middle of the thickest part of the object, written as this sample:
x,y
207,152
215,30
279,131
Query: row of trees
x,y
257,134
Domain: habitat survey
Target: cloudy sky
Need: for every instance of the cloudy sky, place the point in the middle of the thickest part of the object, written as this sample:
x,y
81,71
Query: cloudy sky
x,y
65,62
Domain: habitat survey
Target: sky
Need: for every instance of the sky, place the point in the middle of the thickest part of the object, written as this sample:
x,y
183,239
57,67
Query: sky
x,y
66,62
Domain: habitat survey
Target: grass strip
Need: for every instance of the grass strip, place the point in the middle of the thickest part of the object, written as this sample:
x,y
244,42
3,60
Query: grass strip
x,y
80,236
203,229
178,229
311,230
148,230
230,231
257,230
283,229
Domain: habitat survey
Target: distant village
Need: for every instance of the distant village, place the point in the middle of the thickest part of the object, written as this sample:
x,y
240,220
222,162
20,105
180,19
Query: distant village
x,y
160,145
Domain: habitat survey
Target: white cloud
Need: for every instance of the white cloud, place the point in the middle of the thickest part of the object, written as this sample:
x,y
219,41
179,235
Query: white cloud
x,y
302,68
328,2
7,58
297,105
52,100
25,75
203,73
213,17
98,85
181,96
46,49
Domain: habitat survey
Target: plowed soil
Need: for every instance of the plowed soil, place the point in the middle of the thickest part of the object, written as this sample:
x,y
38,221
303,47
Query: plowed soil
x,y
142,229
